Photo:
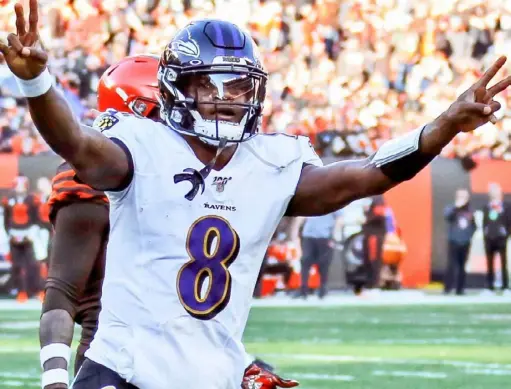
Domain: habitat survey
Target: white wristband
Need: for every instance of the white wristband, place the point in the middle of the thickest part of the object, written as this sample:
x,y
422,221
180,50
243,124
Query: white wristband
x,y
397,148
36,86
55,350
55,376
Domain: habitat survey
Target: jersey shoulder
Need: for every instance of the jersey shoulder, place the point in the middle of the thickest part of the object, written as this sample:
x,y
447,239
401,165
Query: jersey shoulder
x,y
109,119
284,150
66,190
114,122
138,134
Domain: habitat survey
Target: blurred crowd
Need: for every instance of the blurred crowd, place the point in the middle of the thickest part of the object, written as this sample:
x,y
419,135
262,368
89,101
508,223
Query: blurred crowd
x,y
369,68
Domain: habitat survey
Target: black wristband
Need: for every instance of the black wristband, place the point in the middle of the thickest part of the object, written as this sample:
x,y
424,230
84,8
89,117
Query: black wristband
x,y
407,167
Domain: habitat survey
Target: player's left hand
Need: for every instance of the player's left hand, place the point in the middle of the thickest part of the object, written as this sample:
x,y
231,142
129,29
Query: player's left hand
x,y
476,106
257,378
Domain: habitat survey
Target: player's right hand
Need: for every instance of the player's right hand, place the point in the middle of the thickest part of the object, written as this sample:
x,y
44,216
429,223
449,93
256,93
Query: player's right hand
x,y
22,54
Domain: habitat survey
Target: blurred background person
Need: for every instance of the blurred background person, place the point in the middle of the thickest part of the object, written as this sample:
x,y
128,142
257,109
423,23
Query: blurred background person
x,y
394,252
496,230
316,236
5,264
42,238
461,229
4,241
377,221
276,258
20,222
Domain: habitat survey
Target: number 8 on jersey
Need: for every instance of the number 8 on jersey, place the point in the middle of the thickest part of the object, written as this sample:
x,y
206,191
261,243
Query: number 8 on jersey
x,y
212,245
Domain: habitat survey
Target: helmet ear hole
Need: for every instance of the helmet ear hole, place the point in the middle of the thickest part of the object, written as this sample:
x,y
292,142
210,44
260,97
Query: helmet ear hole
x,y
154,113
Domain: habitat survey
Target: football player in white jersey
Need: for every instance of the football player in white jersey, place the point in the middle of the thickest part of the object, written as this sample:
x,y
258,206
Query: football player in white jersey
x,y
194,200
80,216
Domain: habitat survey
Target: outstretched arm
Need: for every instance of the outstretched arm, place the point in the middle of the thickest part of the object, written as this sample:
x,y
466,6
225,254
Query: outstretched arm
x,y
98,161
322,190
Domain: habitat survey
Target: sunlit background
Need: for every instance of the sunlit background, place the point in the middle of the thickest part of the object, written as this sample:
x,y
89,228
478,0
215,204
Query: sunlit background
x,y
349,74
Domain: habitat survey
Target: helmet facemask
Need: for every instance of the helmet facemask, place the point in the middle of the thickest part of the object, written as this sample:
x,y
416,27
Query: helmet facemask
x,y
213,104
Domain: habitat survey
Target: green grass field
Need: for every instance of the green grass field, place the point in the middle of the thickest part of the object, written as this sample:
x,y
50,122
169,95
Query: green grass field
x,y
330,347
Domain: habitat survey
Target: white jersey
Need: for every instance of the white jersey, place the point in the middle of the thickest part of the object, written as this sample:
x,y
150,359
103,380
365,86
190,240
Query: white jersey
x,y
180,274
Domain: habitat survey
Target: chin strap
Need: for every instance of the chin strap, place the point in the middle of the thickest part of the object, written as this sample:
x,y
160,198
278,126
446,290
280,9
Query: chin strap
x,y
197,178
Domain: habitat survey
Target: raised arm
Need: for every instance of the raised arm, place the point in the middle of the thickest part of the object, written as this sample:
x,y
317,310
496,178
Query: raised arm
x,y
98,161
322,190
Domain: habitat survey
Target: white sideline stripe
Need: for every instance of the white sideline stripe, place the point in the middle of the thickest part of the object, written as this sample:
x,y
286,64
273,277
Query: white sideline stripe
x,y
498,372
399,298
19,325
23,325
13,383
20,384
493,316
10,336
8,374
411,361
403,297
12,305
19,350
430,341
420,374
322,377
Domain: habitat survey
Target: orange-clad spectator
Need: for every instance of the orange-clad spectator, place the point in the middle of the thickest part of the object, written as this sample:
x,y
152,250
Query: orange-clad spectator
x,y
328,12
20,215
43,195
265,18
42,238
24,142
